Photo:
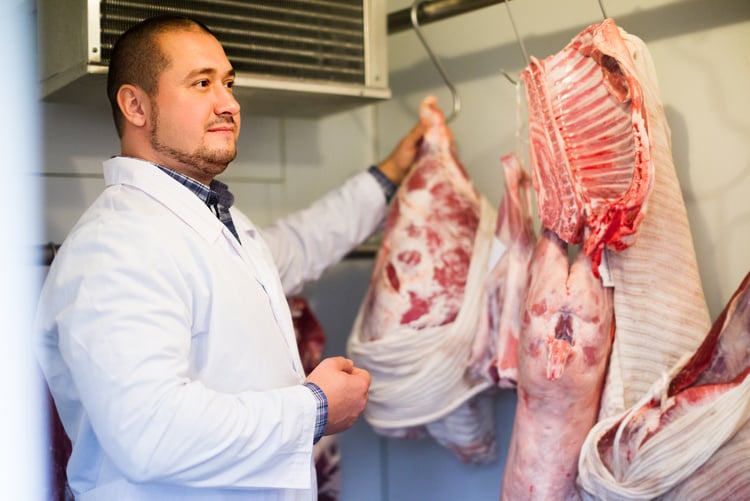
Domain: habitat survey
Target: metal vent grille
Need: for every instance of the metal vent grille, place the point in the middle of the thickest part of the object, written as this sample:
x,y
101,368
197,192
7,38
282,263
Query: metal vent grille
x,y
301,39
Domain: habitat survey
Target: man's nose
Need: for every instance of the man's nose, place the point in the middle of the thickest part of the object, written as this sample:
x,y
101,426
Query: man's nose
x,y
227,103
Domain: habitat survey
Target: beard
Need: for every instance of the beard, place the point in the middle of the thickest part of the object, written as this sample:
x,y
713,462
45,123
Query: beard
x,y
210,162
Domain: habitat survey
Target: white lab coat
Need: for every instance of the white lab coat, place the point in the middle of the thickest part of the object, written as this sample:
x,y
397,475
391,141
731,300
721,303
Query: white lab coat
x,y
170,349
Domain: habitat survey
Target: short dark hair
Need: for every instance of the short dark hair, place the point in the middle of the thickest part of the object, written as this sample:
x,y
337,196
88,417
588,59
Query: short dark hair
x,y
137,58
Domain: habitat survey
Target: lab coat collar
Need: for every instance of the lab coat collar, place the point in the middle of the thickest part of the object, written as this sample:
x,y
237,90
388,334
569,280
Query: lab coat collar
x,y
150,179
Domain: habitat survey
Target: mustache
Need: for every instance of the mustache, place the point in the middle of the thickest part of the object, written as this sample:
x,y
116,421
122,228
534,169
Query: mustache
x,y
221,121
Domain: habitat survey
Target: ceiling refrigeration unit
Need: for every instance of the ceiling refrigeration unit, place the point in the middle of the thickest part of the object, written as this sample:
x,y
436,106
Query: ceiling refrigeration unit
x,y
299,58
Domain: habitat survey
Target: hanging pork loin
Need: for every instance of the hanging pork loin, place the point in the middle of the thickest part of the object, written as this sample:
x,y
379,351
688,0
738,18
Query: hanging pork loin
x,y
495,349
563,350
417,321
689,436
604,176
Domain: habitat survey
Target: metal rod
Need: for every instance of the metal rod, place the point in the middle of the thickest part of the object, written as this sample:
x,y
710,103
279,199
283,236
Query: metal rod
x,y
436,61
604,12
518,36
429,12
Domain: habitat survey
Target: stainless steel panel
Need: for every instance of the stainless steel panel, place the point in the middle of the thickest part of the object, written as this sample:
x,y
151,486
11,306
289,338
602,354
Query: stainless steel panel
x,y
301,54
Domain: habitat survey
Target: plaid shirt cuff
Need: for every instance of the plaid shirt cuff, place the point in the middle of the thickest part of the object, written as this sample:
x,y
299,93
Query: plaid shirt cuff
x,y
389,188
321,421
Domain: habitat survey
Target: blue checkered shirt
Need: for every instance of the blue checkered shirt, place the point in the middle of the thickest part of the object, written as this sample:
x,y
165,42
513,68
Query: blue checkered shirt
x,y
321,420
216,196
388,187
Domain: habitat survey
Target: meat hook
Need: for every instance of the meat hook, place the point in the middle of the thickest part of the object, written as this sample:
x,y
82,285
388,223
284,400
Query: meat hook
x,y
515,30
508,77
601,7
436,62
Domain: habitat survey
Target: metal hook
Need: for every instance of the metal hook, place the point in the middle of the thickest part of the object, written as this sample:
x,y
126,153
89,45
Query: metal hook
x,y
507,76
601,7
436,62
515,30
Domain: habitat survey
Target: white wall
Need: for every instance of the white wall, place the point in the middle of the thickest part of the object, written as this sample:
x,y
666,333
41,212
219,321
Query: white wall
x,y
282,165
701,53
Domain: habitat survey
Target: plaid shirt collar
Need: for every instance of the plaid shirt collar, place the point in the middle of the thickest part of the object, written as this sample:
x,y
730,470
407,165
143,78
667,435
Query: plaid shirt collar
x,y
216,193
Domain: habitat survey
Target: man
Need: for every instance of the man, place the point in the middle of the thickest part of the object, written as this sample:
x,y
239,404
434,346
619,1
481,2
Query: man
x,y
164,333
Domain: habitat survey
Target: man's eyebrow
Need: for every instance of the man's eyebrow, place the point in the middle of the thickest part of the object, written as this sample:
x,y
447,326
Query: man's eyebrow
x,y
208,71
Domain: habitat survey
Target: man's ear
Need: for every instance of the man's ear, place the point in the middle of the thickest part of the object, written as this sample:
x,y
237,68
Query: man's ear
x,y
133,103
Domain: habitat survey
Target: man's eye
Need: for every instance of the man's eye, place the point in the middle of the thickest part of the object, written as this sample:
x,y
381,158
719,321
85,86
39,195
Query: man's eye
x,y
202,83
230,84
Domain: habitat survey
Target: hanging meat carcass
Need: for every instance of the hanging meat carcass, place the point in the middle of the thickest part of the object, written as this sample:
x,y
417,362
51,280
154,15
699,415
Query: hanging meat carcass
x,y
309,333
310,343
495,349
563,350
659,299
417,321
422,266
604,176
689,437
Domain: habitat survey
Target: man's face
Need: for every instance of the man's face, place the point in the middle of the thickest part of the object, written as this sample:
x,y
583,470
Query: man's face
x,y
195,119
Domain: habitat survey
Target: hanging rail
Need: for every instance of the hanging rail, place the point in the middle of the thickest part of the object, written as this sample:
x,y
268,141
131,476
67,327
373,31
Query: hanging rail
x,y
429,12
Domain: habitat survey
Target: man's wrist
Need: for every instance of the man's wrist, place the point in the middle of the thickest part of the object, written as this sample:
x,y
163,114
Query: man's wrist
x,y
385,183
321,408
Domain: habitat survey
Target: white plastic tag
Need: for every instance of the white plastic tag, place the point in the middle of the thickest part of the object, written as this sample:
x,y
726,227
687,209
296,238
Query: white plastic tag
x,y
496,252
604,270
